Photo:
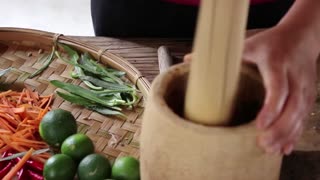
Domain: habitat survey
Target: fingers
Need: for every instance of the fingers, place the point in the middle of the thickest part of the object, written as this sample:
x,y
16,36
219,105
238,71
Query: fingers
x,y
277,90
288,148
281,136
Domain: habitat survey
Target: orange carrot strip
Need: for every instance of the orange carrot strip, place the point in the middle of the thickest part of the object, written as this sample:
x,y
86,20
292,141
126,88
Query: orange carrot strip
x,y
28,145
21,123
43,102
6,125
3,131
4,106
19,165
31,92
28,141
27,135
17,147
9,119
18,110
21,96
5,93
4,149
20,116
23,132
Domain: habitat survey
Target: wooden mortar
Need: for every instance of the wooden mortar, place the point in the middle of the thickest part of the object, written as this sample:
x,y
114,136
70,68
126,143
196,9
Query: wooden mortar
x,y
173,148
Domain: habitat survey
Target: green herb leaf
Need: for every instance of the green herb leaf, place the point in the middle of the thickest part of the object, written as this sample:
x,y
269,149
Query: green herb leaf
x,y
74,56
92,106
46,64
106,85
85,93
78,72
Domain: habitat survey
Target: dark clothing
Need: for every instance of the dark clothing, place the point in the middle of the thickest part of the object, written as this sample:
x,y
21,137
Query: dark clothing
x,y
155,18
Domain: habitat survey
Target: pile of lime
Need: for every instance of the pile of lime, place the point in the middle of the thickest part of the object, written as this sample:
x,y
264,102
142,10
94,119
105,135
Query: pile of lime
x,y
78,158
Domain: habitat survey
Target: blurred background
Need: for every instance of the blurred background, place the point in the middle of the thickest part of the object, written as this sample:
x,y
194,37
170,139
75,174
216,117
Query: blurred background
x,y
68,17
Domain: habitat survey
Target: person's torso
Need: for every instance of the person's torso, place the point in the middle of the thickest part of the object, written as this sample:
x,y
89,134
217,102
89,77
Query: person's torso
x,y
196,2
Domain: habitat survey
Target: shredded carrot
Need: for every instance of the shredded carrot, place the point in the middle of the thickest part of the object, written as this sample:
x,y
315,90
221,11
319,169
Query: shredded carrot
x,y
4,149
5,93
3,131
20,116
19,165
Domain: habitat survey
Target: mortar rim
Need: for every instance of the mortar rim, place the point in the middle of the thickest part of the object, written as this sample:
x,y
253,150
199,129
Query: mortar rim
x,y
159,88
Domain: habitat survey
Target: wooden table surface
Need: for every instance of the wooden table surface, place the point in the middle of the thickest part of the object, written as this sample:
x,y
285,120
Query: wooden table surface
x,y
302,164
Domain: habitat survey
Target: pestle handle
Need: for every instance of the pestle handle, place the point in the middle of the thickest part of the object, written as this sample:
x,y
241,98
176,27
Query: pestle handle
x,y
164,58
215,68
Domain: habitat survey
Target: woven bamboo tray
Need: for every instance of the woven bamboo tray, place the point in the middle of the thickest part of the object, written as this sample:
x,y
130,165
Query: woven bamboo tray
x,y
23,49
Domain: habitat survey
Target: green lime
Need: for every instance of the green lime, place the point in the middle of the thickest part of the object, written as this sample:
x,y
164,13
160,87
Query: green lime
x,y
56,126
94,167
59,166
126,168
77,146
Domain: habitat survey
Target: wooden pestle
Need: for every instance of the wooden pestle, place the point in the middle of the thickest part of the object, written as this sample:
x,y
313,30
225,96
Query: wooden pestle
x,y
216,61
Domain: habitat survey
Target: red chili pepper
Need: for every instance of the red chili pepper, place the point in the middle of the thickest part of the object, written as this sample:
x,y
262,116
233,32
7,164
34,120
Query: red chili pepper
x,y
23,174
3,163
5,154
16,160
34,176
4,171
35,165
31,164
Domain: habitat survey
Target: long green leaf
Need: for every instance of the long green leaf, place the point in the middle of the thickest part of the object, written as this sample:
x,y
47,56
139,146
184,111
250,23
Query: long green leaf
x,y
99,69
74,56
87,59
106,111
75,99
85,93
104,84
84,102
86,64
46,64
78,72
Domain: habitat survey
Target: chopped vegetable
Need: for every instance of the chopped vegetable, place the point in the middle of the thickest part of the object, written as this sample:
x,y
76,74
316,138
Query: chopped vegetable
x,y
4,171
22,174
34,175
78,72
87,94
20,116
106,85
18,166
92,106
35,165
31,164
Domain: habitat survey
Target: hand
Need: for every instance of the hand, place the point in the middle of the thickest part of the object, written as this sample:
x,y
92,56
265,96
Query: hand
x,y
287,63
288,68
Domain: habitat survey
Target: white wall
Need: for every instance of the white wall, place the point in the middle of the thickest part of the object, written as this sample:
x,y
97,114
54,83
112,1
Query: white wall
x,y
68,17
